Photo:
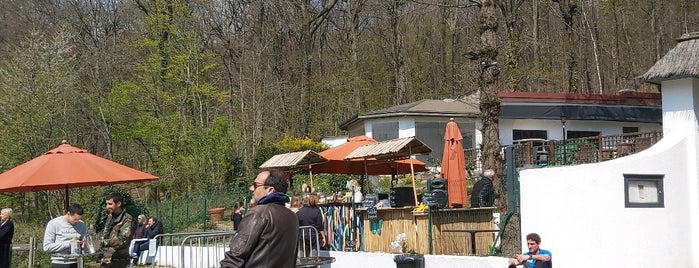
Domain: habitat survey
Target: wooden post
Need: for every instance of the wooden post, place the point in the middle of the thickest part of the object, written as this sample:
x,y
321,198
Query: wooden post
x,y
310,175
412,175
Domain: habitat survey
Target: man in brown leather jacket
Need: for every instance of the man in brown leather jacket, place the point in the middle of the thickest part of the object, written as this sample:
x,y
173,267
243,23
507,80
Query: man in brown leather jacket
x,y
268,234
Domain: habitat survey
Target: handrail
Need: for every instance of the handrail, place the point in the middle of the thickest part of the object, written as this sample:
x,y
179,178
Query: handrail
x,y
174,241
544,153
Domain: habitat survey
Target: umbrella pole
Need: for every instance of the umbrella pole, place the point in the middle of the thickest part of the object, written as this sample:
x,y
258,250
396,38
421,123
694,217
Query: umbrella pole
x,y
412,174
310,175
66,199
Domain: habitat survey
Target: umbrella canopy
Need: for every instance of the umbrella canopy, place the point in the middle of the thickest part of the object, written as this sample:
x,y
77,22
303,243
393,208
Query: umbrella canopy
x,y
68,167
454,166
338,165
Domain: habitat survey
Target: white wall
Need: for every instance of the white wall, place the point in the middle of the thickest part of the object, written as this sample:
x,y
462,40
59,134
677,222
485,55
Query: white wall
x,y
334,141
555,128
369,259
580,212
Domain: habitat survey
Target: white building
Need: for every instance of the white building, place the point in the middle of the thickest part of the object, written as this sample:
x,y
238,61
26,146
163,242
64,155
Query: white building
x,y
640,210
524,115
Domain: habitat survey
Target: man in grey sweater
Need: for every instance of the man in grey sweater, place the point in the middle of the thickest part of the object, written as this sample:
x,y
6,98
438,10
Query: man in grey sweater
x,y
60,234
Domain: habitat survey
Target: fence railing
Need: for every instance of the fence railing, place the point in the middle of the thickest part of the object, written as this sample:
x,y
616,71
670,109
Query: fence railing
x,y
29,248
539,152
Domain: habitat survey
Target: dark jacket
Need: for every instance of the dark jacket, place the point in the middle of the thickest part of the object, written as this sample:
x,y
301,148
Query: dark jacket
x,y
310,216
7,231
153,230
236,217
140,231
267,237
483,194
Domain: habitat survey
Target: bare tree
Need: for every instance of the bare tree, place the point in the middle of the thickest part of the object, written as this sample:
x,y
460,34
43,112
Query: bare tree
x,y
569,9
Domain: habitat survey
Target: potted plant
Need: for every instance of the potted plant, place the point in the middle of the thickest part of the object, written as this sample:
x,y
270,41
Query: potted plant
x,y
216,214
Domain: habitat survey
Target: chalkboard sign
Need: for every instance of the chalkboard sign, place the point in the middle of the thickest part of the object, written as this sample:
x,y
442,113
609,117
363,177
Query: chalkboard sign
x,y
349,246
428,199
372,213
435,198
370,200
367,203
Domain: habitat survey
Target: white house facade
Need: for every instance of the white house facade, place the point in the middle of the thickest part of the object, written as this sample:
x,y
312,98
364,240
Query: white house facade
x,y
523,116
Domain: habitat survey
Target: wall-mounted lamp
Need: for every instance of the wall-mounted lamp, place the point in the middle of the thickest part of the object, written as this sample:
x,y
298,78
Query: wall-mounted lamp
x,y
565,141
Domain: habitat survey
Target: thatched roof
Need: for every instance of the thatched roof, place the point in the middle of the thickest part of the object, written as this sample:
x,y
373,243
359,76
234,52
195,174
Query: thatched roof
x,y
681,62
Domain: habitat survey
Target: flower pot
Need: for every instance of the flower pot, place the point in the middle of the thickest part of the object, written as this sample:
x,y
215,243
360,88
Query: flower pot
x,y
216,214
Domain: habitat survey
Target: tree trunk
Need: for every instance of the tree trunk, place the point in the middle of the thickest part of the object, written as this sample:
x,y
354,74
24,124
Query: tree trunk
x,y
398,61
568,11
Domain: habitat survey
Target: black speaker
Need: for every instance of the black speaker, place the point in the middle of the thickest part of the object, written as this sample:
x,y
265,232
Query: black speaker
x,y
402,196
439,193
438,184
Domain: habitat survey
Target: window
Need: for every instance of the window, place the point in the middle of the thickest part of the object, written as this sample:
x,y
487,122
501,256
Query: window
x,y
581,134
643,191
629,129
520,134
384,131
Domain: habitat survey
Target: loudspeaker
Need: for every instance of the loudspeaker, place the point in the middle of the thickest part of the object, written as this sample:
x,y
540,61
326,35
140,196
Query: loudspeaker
x,y
401,197
439,193
438,184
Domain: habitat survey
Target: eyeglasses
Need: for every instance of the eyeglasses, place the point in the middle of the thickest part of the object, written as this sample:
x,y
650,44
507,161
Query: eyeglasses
x,y
256,185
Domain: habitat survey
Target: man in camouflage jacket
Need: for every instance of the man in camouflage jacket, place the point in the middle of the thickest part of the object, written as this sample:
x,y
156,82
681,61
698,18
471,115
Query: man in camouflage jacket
x,y
118,232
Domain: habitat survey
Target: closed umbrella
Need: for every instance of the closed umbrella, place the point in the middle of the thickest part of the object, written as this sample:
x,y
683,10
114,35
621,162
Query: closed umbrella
x,y
68,167
454,166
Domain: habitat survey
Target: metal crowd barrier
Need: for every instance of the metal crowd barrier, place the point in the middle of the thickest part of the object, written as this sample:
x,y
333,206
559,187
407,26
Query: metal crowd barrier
x,y
207,249
306,248
191,250
309,254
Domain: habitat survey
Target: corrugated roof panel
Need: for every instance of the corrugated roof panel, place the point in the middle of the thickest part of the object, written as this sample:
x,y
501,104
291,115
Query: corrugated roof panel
x,y
293,160
391,149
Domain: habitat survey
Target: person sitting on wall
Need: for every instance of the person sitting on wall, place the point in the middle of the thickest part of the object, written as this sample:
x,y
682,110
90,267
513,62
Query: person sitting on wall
x,y
138,236
153,229
535,257
483,194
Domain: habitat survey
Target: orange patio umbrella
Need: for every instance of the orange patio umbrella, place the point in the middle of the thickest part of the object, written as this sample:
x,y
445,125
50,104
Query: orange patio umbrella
x,y
454,166
337,164
68,167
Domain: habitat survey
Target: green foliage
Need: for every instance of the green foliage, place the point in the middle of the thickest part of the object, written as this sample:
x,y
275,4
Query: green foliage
x,y
290,144
494,251
287,144
323,183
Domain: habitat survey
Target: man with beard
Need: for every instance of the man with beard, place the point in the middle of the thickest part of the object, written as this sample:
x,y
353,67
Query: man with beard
x,y
118,232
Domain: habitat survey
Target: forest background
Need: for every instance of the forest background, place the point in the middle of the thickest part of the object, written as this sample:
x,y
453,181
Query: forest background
x,y
200,93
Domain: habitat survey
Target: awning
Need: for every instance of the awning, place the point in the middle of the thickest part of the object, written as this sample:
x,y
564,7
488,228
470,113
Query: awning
x,y
391,149
295,160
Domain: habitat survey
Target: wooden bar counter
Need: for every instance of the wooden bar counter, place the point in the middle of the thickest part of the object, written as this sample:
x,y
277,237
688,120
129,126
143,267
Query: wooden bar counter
x,y
451,230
